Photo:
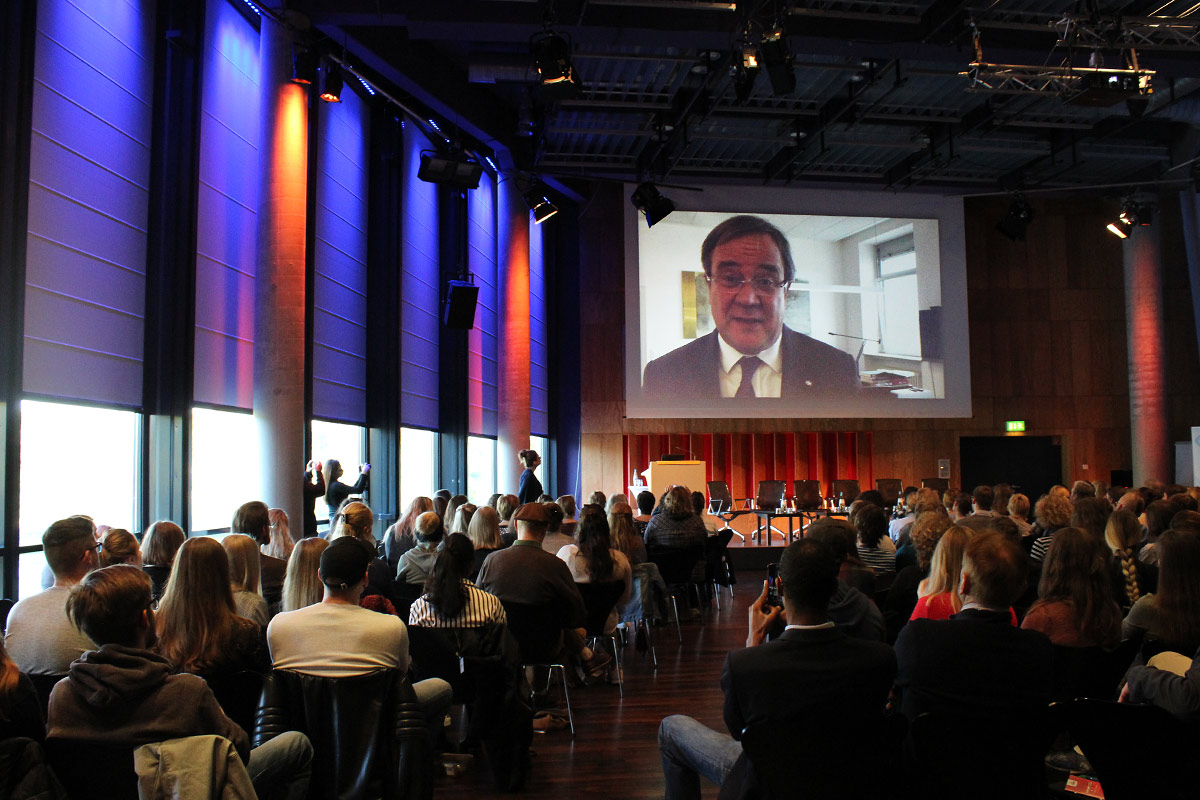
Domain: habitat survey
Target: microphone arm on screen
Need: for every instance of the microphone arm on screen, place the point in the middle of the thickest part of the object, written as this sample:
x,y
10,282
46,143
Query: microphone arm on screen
x,y
861,347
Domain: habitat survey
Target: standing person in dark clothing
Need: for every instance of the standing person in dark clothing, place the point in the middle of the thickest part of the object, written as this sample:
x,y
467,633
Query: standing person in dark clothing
x,y
314,487
336,492
530,487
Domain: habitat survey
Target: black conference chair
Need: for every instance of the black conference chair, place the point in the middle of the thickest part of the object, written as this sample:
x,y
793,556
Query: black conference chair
x,y
770,497
1137,751
538,631
600,599
677,565
368,734
940,484
718,571
724,507
806,499
846,490
238,694
890,488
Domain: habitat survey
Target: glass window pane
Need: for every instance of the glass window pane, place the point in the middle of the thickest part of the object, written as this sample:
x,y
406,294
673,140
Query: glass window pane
x,y
418,464
900,325
481,469
541,445
224,466
338,440
30,569
77,460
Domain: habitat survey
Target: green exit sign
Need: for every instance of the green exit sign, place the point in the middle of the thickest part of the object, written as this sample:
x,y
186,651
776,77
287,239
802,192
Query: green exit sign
x,y
1015,426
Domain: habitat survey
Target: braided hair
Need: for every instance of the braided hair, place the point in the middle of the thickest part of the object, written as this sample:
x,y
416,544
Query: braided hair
x,y
1122,533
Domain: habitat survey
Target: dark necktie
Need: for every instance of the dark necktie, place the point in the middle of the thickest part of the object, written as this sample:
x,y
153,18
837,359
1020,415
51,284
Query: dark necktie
x,y
749,366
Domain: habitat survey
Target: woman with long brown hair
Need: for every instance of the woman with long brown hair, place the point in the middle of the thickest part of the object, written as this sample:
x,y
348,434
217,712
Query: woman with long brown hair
x,y
1172,614
199,630
1075,606
595,560
624,533
160,543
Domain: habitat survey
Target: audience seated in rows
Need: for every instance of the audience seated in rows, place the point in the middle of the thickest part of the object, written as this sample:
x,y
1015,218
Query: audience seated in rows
x,y
254,520
124,693
451,600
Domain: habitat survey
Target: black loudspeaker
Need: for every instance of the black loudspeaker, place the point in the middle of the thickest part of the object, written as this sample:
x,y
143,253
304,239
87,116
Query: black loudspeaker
x,y
1120,477
459,308
930,321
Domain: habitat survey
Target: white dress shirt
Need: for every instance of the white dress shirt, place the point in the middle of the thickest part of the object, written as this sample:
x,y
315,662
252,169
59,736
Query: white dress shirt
x,y
767,381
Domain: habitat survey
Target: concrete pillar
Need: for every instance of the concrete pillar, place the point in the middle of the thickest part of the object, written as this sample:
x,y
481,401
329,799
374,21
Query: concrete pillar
x,y
1147,356
512,224
279,344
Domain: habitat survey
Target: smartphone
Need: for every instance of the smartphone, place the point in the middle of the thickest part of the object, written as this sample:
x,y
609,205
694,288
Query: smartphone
x,y
773,584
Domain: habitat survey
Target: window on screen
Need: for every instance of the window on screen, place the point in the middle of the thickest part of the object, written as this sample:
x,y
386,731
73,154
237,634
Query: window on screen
x,y
899,326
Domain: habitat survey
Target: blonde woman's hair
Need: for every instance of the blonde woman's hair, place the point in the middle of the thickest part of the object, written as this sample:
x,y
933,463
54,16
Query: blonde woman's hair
x,y
355,519
946,566
281,544
245,568
301,584
119,546
1122,533
621,528
196,613
484,530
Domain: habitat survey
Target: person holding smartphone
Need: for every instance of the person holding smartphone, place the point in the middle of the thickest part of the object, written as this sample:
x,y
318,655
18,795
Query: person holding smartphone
x,y
810,668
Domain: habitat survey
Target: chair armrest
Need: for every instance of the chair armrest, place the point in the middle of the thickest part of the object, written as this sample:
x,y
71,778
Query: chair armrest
x,y
747,502
272,716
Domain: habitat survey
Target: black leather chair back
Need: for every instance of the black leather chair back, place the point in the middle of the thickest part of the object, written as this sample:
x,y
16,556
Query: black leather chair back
x,y
940,484
368,734
720,499
807,495
890,488
5,606
770,495
537,629
846,489
676,564
238,694
89,769
715,568
599,599
43,685
1002,757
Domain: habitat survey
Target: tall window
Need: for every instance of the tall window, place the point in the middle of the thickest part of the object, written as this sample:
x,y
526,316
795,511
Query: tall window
x,y
346,443
224,466
542,445
418,465
481,470
75,460
899,324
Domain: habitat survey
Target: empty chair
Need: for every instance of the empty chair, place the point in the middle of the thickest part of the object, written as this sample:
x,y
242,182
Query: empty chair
x,y
890,488
1136,751
600,599
940,484
647,604
722,505
846,490
807,495
718,571
538,631
770,498
368,735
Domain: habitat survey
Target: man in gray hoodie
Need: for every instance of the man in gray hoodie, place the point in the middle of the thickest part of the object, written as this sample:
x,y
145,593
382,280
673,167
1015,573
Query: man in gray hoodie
x,y
124,693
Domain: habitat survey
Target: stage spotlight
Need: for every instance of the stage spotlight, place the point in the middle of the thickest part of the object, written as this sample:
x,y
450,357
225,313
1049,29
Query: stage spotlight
x,y
331,83
1133,214
777,60
552,59
540,205
455,170
1014,223
745,71
304,65
1119,229
653,205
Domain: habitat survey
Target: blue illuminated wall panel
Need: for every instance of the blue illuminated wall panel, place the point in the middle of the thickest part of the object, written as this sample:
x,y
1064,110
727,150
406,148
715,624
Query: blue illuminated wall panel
x,y
482,370
419,303
88,200
539,424
228,202
340,262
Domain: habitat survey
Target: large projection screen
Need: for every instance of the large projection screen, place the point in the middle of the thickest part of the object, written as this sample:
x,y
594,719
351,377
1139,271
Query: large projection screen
x,y
873,322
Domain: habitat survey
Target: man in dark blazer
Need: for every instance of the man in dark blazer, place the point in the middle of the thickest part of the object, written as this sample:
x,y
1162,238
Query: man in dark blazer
x,y
977,661
748,266
810,669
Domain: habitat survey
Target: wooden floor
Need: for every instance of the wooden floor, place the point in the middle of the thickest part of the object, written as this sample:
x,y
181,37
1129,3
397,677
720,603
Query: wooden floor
x,y
614,752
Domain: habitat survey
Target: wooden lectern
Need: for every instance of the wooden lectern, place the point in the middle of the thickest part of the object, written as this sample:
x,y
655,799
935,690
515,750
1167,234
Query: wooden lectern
x,y
661,474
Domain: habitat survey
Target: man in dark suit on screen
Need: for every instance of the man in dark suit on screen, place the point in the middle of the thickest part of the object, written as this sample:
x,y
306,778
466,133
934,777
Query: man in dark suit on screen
x,y
810,672
748,266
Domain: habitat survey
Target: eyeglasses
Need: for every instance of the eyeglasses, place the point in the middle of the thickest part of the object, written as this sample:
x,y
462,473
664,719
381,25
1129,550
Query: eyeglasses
x,y
764,287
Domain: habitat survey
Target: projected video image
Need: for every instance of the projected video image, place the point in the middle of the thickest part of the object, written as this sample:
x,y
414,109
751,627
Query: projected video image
x,y
788,314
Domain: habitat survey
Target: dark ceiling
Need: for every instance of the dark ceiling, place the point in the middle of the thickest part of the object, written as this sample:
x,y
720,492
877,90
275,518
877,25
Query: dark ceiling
x,y
883,92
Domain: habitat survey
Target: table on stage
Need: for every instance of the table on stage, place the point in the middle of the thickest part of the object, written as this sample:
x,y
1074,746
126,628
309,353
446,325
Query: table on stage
x,y
768,515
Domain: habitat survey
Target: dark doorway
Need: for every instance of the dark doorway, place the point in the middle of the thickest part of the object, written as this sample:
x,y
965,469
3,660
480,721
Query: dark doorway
x,y
1032,464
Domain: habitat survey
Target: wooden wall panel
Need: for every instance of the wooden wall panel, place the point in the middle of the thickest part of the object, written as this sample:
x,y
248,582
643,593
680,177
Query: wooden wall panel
x,y
1048,345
